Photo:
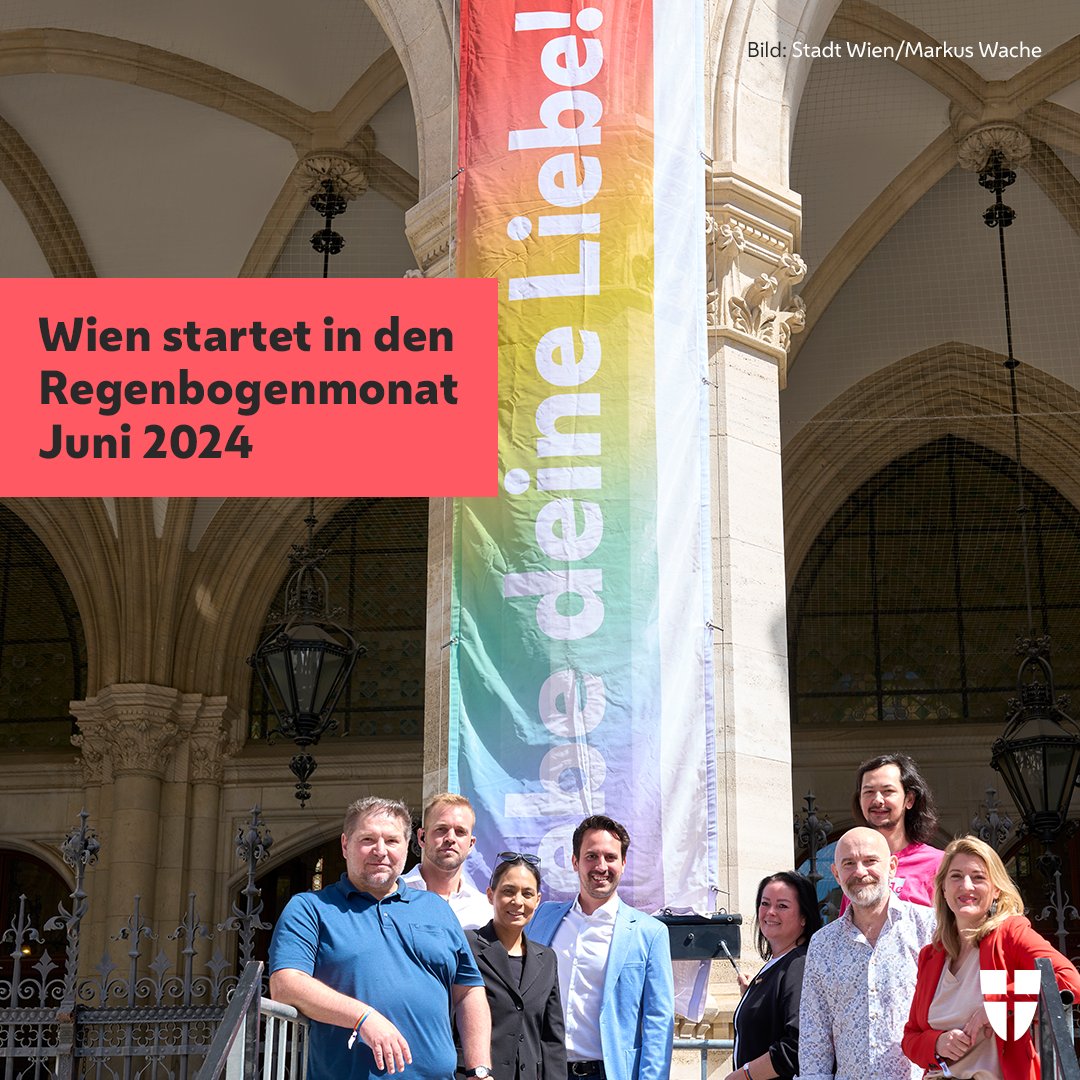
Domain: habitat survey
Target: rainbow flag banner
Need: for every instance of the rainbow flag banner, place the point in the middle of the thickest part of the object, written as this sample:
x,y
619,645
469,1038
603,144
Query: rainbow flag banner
x,y
580,674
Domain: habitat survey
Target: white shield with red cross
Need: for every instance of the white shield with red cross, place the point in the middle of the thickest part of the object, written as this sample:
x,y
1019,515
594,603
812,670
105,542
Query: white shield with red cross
x,y
997,997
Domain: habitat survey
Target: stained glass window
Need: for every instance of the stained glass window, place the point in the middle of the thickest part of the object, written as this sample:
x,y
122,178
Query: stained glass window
x,y
42,648
908,605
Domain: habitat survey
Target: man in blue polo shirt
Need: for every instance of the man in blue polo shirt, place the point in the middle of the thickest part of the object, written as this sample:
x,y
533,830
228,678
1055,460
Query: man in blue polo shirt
x,y
370,957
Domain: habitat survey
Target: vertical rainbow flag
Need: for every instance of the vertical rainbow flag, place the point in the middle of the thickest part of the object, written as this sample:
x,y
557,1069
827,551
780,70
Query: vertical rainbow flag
x,y
580,678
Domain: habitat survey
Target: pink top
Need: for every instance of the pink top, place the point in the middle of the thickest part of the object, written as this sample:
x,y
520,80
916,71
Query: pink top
x,y
916,866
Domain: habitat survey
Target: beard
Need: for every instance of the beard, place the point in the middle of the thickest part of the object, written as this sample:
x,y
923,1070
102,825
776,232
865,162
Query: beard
x,y
868,895
888,822
448,861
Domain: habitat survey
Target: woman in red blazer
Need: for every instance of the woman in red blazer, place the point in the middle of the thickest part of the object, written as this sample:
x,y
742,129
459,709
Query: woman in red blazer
x,y
980,926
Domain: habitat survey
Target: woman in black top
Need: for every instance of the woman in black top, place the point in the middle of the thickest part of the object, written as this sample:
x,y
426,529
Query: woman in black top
x,y
767,1018
522,979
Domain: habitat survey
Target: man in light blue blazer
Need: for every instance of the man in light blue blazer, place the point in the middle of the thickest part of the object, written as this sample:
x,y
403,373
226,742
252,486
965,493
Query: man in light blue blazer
x,y
614,966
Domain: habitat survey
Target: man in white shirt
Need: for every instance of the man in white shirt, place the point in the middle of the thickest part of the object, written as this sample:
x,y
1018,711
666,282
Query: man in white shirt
x,y
859,976
445,842
614,966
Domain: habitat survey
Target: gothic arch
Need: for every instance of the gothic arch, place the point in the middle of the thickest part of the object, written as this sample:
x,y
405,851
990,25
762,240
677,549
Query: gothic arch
x,y
423,36
231,582
960,391
99,56
43,853
743,107
77,534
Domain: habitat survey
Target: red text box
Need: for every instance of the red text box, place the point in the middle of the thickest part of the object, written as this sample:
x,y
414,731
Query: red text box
x,y
249,387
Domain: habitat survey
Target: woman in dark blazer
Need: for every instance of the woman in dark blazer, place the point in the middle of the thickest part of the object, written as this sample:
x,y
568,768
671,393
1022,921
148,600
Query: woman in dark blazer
x,y
521,977
767,1017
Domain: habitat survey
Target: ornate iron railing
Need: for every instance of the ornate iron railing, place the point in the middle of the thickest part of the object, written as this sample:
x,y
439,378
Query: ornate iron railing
x,y
1057,1048
151,1016
281,1049
284,1042
235,1049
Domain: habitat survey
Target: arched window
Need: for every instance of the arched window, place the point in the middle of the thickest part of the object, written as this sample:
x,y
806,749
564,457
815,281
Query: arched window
x,y
42,648
377,571
23,875
908,605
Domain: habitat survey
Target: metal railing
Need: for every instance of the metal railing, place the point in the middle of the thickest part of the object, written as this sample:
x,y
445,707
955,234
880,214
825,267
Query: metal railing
x,y
257,1034
153,1012
1057,1048
235,1047
703,1046
283,1042
280,1032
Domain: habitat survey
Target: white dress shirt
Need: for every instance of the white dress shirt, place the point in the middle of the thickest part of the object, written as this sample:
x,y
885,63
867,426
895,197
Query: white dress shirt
x,y
582,943
468,903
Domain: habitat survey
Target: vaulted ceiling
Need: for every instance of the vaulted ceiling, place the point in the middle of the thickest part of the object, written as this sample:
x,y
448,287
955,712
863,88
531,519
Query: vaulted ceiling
x,y
159,140
146,139
900,260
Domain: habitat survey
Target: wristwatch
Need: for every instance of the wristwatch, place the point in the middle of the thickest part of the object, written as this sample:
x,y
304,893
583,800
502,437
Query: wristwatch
x,y
481,1072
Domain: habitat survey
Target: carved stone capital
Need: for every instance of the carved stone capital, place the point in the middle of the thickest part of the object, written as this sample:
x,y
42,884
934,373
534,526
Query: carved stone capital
x,y
429,227
344,169
136,727
95,759
752,266
128,727
211,740
974,148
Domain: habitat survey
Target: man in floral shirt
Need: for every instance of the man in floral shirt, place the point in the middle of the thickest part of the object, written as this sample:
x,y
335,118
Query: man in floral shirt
x,y
860,971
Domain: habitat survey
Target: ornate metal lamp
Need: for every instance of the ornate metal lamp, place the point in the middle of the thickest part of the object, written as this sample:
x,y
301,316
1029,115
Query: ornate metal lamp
x,y
306,659
332,178
1038,754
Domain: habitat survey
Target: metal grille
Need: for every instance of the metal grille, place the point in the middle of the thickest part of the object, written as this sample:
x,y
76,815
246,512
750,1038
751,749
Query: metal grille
x,y
153,1014
42,647
907,607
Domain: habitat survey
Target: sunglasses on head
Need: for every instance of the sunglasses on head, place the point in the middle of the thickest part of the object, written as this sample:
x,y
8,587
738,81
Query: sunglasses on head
x,y
514,856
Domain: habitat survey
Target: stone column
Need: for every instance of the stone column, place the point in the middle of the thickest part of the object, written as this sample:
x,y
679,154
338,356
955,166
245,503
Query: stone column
x,y
437,645
210,743
752,267
95,764
429,226
127,733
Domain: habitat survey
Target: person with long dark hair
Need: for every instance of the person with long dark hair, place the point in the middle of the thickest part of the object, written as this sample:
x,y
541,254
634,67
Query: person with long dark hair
x,y
767,1017
521,977
892,797
980,927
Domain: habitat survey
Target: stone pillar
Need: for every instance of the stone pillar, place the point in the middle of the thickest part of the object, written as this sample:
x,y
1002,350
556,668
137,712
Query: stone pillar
x,y
429,226
437,645
95,764
752,267
210,743
128,732
153,761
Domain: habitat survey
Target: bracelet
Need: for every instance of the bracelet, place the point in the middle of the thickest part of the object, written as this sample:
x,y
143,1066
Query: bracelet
x,y
746,1069
356,1028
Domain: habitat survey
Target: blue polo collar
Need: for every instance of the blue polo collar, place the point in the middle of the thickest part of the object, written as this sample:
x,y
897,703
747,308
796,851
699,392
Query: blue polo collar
x,y
401,891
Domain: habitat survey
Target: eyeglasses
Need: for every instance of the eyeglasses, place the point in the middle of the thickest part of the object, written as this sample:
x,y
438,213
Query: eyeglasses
x,y
515,856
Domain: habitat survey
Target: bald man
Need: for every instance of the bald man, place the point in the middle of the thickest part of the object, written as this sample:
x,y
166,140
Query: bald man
x,y
860,971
